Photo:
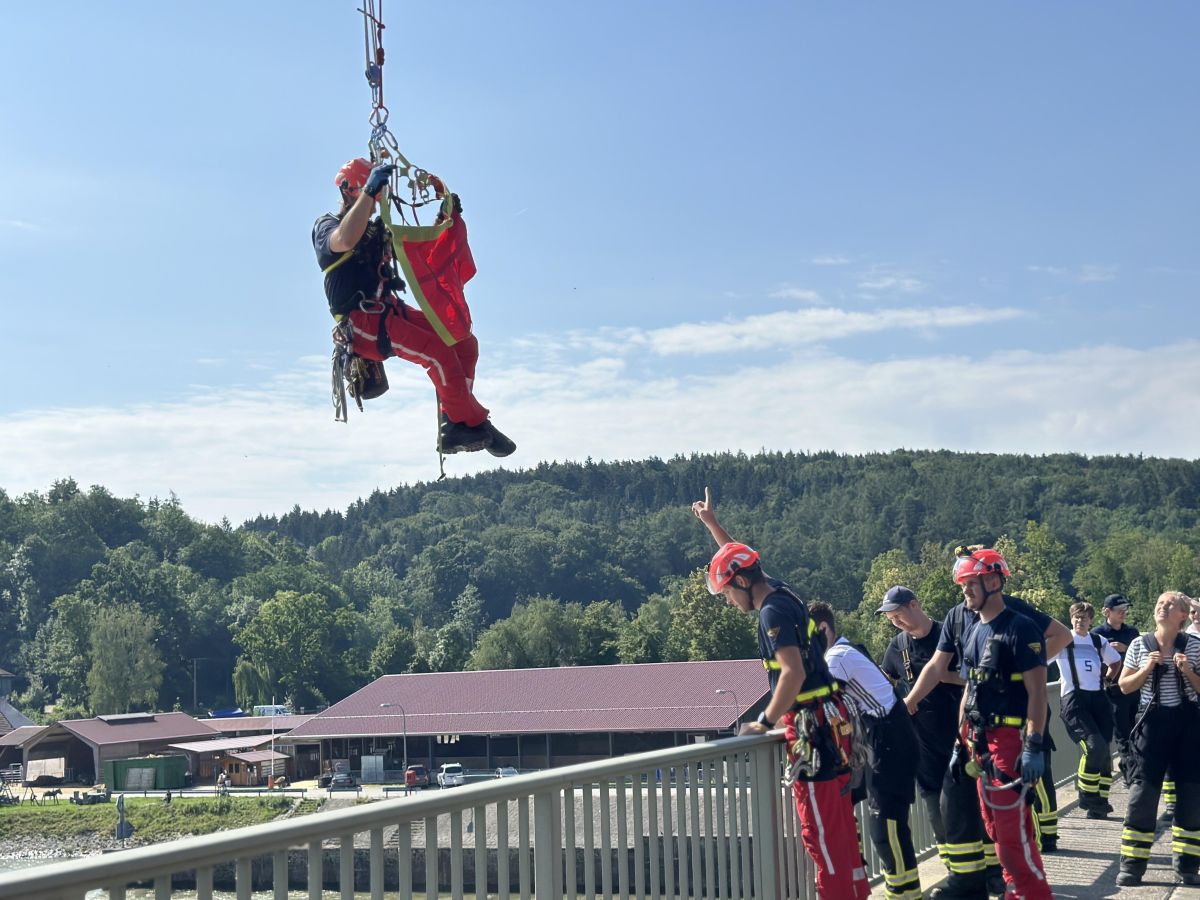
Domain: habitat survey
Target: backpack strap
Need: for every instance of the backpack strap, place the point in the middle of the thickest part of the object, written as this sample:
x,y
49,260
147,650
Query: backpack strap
x,y
906,649
1071,661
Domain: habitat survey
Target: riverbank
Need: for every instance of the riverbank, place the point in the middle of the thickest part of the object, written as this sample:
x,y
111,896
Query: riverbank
x,y
67,831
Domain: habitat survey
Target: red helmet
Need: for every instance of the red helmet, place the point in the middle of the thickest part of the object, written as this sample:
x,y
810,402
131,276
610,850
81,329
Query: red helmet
x,y
353,174
727,562
979,562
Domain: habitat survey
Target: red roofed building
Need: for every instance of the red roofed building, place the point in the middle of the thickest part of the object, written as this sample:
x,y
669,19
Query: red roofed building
x,y
76,750
534,718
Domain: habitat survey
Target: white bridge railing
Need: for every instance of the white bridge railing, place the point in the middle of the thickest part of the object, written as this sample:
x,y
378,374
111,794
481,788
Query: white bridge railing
x,y
704,820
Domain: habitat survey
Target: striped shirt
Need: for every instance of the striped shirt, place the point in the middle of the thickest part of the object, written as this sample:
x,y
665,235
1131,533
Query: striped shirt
x,y
1168,680
864,682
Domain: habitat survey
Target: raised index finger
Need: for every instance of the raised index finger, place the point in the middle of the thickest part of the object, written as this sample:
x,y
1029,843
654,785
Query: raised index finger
x,y
707,496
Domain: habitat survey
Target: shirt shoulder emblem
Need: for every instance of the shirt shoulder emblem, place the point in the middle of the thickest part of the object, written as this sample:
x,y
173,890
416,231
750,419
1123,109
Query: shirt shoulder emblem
x,y
1036,646
773,633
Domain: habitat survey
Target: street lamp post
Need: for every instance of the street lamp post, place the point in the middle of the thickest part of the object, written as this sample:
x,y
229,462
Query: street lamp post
x,y
737,707
404,725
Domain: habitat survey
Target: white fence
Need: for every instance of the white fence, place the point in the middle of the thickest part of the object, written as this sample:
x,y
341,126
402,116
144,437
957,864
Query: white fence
x,y
705,820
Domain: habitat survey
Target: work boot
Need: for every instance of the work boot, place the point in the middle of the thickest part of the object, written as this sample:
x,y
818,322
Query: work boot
x,y
1186,877
995,882
950,892
1168,813
1097,812
1130,876
1050,843
456,437
502,444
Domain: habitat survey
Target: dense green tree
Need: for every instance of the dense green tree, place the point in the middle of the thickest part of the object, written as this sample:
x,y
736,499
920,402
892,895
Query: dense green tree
x,y
393,654
126,668
600,633
290,637
540,632
705,627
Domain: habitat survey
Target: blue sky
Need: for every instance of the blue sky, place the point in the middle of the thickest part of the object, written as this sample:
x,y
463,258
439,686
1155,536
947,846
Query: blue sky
x,y
699,227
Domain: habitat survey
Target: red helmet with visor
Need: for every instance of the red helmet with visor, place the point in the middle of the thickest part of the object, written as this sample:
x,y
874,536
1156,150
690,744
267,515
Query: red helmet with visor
x,y
353,175
974,563
727,562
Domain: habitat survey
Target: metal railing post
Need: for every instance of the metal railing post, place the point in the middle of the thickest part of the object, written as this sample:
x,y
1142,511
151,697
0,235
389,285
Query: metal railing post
x,y
547,847
764,778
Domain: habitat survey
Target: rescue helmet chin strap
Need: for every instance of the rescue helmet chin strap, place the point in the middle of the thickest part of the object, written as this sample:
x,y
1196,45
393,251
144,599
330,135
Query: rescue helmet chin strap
x,y
988,595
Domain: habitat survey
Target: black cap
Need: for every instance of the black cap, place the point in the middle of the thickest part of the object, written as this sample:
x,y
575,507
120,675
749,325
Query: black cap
x,y
1112,601
895,598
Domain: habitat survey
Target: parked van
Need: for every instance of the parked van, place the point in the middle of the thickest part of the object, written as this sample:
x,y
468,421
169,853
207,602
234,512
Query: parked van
x,y
273,710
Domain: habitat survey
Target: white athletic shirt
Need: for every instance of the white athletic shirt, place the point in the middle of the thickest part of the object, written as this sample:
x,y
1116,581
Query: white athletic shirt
x,y
1089,664
1168,683
865,684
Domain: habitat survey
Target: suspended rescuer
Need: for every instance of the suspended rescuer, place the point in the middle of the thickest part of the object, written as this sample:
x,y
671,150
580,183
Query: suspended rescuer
x,y
1161,666
1004,717
1084,665
1055,636
951,804
892,767
805,701
356,252
1119,635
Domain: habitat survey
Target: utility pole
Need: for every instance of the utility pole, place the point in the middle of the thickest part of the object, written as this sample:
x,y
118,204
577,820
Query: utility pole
x,y
195,701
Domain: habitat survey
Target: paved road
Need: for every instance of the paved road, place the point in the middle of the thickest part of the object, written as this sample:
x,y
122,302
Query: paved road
x,y
1085,867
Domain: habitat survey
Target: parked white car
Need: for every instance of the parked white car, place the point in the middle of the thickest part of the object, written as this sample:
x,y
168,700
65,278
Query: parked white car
x,y
451,775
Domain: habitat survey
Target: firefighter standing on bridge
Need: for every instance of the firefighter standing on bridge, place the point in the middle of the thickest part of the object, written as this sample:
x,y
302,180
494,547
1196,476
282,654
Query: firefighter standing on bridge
x,y
1004,717
806,702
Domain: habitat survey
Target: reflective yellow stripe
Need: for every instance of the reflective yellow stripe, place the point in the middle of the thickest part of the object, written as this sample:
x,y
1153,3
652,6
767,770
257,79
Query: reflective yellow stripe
x,y
1184,833
341,259
1129,834
818,692
1135,852
1013,721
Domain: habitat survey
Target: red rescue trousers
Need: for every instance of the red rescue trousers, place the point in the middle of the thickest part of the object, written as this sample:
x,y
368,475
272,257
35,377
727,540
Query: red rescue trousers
x,y
1009,820
827,825
451,369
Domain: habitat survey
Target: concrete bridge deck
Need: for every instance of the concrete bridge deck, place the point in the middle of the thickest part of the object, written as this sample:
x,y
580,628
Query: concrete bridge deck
x,y
1085,866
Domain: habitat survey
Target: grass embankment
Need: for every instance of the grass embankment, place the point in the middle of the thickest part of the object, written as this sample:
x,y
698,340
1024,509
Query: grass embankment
x,y
152,819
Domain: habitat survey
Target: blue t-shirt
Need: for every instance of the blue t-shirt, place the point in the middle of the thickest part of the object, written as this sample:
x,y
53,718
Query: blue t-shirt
x,y
358,277
960,619
783,621
1009,644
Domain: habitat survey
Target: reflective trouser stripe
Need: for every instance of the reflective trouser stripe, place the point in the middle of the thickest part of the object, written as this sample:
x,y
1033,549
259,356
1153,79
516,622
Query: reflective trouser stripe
x,y
1136,844
1105,786
1185,842
963,858
990,858
1046,820
1168,792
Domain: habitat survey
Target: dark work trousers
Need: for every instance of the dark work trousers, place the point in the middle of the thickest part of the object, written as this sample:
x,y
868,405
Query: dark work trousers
x,y
966,839
1088,717
1124,710
1166,739
935,738
891,790
1045,798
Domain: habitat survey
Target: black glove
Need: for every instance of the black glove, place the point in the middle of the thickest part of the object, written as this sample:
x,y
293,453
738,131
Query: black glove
x,y
1033,759
378,179
958,762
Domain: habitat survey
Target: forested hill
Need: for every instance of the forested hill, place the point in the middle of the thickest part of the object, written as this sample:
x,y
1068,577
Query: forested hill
x,y
561,564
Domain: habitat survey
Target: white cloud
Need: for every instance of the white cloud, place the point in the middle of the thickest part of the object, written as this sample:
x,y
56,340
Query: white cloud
x,y
235,452
800,295
895,283
830,261
809,326
1089,273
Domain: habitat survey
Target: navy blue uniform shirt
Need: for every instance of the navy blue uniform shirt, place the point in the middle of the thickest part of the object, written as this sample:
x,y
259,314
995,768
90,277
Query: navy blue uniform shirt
x,y
783,622
1008,644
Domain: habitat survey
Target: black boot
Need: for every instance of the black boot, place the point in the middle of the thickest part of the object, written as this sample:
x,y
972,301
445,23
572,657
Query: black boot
x,y
501,444
952,892
456,437
1130,873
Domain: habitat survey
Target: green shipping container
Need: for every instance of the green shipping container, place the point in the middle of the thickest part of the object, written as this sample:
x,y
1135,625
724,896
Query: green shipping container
x,y
146,773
